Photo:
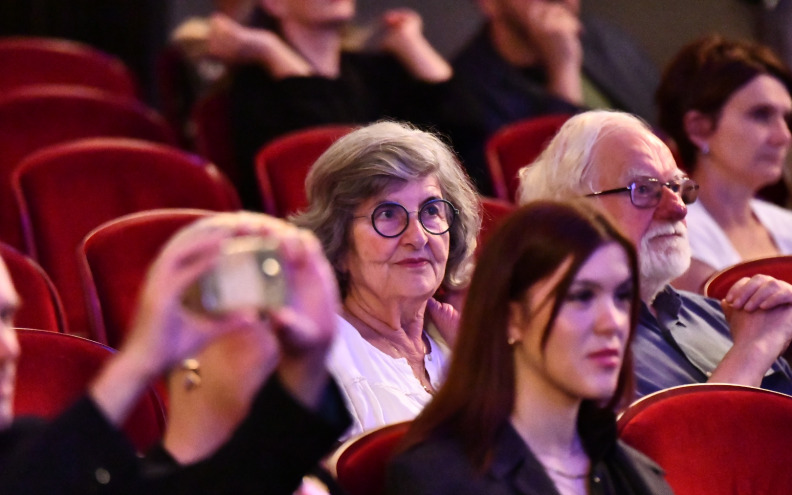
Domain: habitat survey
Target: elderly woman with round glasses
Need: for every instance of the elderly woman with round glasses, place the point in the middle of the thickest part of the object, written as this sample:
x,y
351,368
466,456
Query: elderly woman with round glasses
x,y
398,219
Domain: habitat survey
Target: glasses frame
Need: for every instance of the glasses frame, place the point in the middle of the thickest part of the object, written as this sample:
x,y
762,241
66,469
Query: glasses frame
x,y
407,212
675,185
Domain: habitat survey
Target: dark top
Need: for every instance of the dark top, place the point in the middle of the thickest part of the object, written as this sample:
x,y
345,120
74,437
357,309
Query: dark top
x,y
505,93
81,453
439,466
686,342
370,87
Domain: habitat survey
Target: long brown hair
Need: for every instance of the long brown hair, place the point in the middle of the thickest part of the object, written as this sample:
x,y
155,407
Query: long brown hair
x,y
477,398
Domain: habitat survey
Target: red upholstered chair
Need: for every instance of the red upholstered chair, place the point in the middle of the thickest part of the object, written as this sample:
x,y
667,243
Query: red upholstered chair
x,y
720,282
114,259
359,464
67,190
492,212
283,163
516,145
34,60
41,305
210,120
35,117
54,370
715,438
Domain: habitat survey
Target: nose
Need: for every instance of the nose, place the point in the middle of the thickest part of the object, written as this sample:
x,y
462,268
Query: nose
x,y
781,133
612,317
415,234
671,206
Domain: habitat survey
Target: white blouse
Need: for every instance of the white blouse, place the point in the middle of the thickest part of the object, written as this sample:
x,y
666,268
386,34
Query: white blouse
x,y
378,389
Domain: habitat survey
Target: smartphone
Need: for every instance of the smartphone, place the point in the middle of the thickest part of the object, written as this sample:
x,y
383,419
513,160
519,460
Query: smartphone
x,y
249,274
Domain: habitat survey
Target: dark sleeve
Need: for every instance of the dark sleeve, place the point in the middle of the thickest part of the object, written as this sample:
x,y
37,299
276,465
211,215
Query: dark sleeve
x,y
434,467
80,452
278,442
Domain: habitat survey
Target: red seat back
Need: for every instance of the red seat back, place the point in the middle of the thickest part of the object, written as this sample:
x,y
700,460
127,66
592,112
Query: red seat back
x,y
492,212
719,283
33,60
35,117
41,305
715,438
515,146
115,258
67,190
283,163
55,369
360,463
211,121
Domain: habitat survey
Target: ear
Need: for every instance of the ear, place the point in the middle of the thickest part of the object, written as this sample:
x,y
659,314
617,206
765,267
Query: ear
x,y
517,321
698,127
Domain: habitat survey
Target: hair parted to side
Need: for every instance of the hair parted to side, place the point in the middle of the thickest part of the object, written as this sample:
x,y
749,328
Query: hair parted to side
x,y
477,399
703,76
366,162
564,170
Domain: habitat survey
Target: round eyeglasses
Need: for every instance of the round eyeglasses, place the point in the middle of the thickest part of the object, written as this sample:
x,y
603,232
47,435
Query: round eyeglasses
x,y
646,191
391,219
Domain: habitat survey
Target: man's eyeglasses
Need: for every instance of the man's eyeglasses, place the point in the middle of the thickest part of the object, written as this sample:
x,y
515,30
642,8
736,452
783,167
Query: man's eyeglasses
x,y
391,219
646,192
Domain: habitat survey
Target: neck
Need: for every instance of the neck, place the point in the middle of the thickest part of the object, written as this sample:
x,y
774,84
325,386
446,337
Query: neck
x,y
319,45
391,328
512,45
717,190
545,417
196,429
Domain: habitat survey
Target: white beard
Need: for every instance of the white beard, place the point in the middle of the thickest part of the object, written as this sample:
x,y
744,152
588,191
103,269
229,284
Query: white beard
x,y
662,259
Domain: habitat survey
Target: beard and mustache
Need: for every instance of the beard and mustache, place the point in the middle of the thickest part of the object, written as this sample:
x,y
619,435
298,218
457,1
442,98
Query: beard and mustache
x,y
663,255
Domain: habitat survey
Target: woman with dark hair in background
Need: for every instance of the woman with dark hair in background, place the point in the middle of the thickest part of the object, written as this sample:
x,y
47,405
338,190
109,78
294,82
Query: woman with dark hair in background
x,y
541,363
726,105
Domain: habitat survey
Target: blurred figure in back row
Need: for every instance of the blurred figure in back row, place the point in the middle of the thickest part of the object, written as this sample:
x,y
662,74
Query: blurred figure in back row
x,y
727,107
299,74
542,363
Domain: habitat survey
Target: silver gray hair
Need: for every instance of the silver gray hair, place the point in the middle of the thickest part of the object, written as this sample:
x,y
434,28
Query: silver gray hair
x,y
366,162
564,169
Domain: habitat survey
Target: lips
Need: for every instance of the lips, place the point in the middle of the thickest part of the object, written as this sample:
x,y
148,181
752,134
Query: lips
x,y
608,357
413,262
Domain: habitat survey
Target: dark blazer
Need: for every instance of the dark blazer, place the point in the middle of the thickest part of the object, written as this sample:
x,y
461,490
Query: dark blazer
x,y
439,467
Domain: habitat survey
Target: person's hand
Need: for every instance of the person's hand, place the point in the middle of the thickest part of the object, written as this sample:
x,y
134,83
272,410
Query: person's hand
x,y
445,316
402,36
759,311
555,33
227,38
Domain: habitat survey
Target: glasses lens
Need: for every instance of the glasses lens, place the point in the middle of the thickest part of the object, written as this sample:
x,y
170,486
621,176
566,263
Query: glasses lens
x,y
437,216
646,193
688,191
389,219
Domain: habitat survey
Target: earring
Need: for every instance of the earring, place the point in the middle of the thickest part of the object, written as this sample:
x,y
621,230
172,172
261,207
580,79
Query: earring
x,y
511,341
705,149
192,379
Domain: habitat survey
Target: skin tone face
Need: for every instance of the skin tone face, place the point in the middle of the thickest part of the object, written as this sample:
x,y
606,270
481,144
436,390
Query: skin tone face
x,y
586,344
659,233
408,267
751,139
9,347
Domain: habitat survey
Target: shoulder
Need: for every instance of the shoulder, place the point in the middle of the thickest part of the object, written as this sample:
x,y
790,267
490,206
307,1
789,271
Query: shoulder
x,y
437,465
648,470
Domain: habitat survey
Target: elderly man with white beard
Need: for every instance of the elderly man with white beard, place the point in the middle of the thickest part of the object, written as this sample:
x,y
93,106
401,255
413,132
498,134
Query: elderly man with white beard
x,y
615,160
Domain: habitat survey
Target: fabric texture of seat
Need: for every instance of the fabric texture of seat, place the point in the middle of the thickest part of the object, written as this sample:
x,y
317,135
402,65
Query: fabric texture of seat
x,y
719,283
360,463
715,438
41,306
55,369
283,163
35,117
515,146
67,190
114,260
38,60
